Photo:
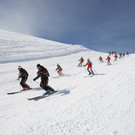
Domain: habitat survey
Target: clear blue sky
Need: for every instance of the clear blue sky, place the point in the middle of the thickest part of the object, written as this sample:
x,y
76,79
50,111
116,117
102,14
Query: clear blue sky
x,y
101,25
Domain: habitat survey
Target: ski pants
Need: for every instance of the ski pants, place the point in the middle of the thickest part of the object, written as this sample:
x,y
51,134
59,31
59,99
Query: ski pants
x,y
44,84
109,63
115,59
89,69
59,72
80,64
23,82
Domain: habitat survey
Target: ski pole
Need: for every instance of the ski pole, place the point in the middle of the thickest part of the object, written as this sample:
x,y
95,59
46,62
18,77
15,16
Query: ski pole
x,y
95,71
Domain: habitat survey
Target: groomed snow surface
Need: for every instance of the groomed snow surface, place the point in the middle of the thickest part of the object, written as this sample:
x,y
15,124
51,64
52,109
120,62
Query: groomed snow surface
x,y
100,105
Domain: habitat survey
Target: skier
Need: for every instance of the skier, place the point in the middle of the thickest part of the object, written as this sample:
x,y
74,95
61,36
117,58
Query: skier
x,y
115,52
123,54
108,60
120,55
23,74
110,53
89,68
44,75
127,53
100,59
115,57
81,61
59,70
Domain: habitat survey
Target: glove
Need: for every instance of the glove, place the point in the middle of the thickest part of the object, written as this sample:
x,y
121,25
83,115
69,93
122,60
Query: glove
x,y
34,79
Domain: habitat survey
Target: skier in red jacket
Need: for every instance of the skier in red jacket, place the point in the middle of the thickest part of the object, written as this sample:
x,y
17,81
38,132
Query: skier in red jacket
x,y
100,59
81,61
115,57
59,70
112,52
89,68
127,53
123,54
108,60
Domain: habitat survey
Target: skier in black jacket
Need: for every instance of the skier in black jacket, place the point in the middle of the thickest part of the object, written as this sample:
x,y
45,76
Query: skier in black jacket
x,y
23,74
44,75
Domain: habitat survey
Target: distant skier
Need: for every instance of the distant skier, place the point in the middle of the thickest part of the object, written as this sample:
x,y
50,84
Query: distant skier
x,y
59,70
89,68
44,75
120,55
115,57
108,60
81,61
110,53
115,52
100,59
123,54
23,74
127,53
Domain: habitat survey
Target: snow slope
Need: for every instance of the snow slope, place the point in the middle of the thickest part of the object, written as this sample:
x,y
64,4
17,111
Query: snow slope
x,y
31,48
99,105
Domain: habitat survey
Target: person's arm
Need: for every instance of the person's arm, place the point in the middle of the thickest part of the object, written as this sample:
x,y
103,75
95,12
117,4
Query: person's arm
x,y
36,77
45,72
85,64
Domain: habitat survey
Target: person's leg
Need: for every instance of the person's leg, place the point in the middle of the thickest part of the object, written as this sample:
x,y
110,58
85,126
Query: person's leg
x,y
24,83
92,71
88,69
80,64
46,86
59,72
42,84
21,83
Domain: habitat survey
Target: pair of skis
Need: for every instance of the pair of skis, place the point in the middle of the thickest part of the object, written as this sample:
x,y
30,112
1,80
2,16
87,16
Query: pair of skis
x,y
34,98
40,97
88,76
11,93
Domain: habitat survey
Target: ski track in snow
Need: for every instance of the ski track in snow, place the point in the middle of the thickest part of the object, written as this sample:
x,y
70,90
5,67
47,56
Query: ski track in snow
x,y
100,105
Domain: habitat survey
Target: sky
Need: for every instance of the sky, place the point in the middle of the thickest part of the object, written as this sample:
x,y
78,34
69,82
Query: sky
x,y
102,25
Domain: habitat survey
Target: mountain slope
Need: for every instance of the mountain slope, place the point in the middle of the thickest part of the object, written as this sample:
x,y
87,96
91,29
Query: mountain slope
x,y
19,47
99,105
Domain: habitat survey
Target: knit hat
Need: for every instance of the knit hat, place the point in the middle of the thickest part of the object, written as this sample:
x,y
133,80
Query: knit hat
x,y
19,67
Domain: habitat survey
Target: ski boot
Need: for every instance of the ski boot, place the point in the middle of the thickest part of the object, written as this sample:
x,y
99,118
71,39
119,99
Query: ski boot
x,y
47,92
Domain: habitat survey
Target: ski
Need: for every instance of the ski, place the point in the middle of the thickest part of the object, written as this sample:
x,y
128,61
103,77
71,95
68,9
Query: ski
x,y
11,93
40,97
88,76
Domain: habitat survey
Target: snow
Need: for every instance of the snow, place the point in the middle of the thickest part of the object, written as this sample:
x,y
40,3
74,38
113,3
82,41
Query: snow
x,y
100,105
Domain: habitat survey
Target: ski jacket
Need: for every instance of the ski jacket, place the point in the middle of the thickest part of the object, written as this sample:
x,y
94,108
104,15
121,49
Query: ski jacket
x,y
100,58
23,73
116,56
89,64
59,68
43,73
81,60
108,59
